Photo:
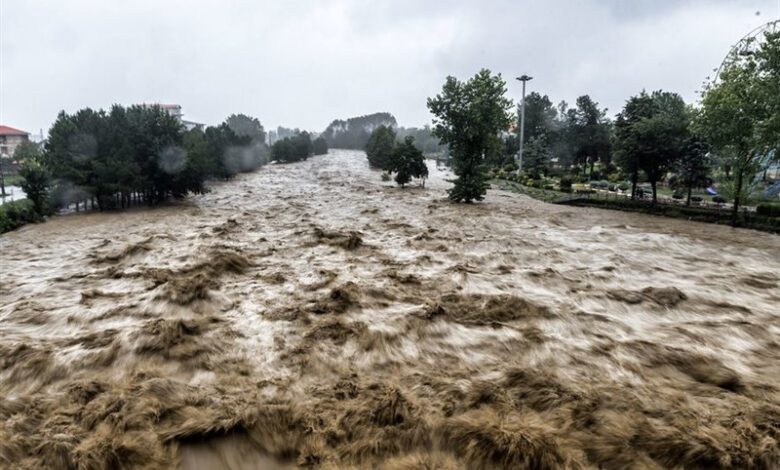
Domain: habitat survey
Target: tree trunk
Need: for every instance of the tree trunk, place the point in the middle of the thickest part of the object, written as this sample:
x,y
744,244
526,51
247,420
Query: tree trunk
x,y
634,178
655,194
688,202
735,209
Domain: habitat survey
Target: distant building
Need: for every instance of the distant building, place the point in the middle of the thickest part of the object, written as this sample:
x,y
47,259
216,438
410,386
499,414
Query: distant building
x,y
175,111
10,138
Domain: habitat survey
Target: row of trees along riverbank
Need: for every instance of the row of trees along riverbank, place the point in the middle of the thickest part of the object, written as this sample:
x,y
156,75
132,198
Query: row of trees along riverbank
x,y
138,155
730,138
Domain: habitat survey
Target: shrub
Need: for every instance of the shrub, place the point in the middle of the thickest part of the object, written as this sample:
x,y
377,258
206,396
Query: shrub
x,y
771,209
566,182
14,214
603,184
678,195
549,187
594,184
696,199
624,186
385,176
612,187
718,199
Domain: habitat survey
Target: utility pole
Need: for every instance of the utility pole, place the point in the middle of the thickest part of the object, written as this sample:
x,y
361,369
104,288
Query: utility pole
x,y
523,78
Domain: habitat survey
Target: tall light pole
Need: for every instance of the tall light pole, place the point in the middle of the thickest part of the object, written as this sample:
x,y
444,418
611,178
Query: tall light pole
x,y
523,78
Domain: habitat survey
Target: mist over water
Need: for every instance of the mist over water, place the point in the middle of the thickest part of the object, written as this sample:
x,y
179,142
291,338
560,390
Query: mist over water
x,y
311,315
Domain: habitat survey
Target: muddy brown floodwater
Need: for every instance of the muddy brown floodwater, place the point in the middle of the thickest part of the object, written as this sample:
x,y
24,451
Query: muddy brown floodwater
x,y
311,315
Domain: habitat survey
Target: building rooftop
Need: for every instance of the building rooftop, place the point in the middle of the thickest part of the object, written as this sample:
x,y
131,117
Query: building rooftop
x,y
6,130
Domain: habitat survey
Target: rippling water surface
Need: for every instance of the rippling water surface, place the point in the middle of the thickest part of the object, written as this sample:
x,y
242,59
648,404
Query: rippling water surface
x,y
312,315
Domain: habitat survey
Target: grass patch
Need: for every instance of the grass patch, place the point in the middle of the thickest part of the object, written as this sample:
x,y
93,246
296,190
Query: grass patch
x,y
545,195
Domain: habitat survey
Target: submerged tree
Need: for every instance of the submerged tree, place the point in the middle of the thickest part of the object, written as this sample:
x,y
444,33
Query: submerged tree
x,y
408,162
469,117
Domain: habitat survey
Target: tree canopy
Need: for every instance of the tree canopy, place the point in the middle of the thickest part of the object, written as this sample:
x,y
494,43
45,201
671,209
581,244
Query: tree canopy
x,y
380,148
468,116
739,114
408,162
292,149
126,155
320,146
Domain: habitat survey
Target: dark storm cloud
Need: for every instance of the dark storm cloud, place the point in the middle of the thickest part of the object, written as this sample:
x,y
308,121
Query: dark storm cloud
x,y
302,63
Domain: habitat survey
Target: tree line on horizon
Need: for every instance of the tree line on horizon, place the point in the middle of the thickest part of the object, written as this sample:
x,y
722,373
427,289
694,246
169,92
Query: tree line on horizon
x,y
354,133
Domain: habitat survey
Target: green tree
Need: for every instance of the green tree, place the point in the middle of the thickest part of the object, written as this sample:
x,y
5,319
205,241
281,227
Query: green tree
x,y
628,139
694,164
468,117
320,146
536,157
246,126
27,150
36,184
734,116
650,136
540,116
589,133
408,162
380,148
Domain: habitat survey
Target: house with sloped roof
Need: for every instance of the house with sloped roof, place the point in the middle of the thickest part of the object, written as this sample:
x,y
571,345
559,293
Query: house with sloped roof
x,y
10,138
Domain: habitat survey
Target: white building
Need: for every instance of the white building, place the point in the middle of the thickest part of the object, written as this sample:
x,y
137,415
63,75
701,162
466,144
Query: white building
x,y
175,111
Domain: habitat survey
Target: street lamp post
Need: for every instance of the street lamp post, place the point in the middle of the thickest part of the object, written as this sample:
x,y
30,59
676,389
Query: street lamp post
x,y
523,78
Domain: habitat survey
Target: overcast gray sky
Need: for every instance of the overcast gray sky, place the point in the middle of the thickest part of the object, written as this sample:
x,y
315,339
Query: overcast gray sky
x,y
303,63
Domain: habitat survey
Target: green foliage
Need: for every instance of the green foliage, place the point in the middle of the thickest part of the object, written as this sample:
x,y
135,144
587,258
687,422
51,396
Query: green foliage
x,y
468,117
380,148
14,214
739,115
246,126
565,183
27,150
143,153
540,117
292,149
320,146
37,182
651,134
424,139
385,176
408,162
536,157
771,209
588,133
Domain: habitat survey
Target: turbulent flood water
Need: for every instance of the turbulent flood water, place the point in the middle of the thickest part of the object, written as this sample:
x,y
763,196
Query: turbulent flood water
x,y
312,315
